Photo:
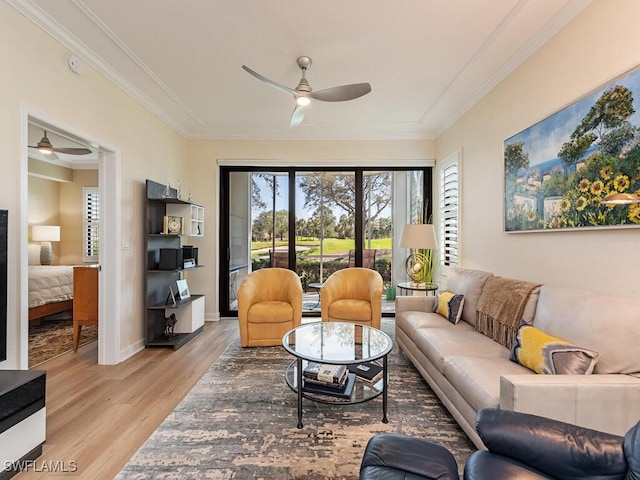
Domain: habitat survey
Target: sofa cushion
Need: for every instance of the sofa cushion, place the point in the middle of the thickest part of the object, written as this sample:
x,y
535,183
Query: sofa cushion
x,y
549,355
469,283
449,305
438,343
410,321
477,379
605,324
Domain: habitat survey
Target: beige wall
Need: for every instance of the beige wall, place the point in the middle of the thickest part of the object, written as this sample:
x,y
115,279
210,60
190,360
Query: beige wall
x,y
203,168
59,203
71,215
597,46
92,106
44,209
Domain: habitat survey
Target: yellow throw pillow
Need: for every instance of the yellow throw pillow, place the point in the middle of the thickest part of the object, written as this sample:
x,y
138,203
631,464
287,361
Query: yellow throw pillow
x,y
549,355
449,305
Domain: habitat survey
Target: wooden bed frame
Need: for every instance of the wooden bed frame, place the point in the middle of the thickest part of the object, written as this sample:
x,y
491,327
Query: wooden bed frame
x,y
36,313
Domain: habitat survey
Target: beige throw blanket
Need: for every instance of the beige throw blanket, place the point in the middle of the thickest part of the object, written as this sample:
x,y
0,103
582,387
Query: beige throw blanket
x,y
500,308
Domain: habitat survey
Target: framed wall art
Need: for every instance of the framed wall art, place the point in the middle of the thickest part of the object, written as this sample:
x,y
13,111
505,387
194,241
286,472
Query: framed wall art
x,y
183,289
557,172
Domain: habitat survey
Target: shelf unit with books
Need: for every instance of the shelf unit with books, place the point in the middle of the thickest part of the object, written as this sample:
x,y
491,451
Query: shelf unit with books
x,y
168,222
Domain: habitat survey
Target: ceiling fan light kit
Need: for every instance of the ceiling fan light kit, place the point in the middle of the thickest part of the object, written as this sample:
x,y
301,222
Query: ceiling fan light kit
x,y
45,147
303,93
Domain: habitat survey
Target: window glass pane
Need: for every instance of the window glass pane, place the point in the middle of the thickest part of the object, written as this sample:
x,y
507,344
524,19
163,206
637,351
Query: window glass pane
x,y
325,221
325,227
269,220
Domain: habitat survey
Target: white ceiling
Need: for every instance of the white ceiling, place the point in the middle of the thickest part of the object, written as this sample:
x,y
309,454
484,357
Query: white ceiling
x,y
428,61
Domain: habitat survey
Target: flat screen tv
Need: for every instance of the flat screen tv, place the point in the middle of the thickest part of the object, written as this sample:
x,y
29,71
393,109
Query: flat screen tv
x,y
4,216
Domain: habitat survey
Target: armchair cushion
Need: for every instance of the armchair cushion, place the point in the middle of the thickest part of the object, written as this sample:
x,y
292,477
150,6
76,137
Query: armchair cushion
x,y
549,447
351,309
267,312
392,456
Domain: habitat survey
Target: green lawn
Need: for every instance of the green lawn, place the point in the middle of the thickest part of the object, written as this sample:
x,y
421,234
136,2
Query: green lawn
x,y
330,245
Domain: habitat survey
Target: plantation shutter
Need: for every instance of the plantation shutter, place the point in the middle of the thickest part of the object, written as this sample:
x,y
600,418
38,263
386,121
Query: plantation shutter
x,y
91,224
449,215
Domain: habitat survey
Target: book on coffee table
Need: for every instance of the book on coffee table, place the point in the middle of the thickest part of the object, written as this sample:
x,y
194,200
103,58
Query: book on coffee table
x,y
368,371
344,391
323,373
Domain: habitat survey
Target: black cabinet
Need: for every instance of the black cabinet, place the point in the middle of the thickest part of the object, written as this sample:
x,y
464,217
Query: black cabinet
x,y
22,418
167,263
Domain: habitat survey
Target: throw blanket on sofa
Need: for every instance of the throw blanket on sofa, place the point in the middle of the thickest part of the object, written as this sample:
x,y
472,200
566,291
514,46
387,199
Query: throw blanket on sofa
x,y
500,308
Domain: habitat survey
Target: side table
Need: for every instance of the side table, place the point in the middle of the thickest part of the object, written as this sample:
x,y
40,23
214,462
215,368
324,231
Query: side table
x,y
316,286
418,287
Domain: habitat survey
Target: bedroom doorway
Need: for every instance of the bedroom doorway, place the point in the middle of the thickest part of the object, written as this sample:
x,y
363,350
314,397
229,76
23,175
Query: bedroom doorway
x,y
68,192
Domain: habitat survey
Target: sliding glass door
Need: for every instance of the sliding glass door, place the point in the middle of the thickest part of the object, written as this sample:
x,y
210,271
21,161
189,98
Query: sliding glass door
x,y
315,222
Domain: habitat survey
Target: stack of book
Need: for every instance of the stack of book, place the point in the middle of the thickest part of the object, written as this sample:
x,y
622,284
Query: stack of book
x,y
333,380
370,372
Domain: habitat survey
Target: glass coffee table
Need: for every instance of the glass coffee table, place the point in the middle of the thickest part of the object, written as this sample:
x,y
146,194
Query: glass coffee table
x,y
337,343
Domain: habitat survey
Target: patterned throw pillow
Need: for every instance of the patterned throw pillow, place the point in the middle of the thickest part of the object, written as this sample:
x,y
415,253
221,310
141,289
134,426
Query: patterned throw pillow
x,y
549,355
449,305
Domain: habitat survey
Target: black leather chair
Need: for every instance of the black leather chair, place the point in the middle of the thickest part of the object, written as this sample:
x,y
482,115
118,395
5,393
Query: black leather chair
x,y
519,446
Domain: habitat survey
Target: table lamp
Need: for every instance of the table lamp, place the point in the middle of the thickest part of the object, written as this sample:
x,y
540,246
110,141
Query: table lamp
x,y
45,234
418,236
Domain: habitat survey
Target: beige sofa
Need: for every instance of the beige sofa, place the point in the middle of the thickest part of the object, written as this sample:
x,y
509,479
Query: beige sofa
x,y
469,371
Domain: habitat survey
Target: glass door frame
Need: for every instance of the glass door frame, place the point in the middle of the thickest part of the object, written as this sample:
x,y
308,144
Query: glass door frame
x,y
224,253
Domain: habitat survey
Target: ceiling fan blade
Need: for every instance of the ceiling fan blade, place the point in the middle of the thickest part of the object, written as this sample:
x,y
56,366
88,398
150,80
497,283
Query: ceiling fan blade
x,y
72,150
297,115
342,93
269,82
48,156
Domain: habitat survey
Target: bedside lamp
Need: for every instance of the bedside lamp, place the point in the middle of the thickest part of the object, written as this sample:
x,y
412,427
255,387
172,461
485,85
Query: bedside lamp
x,y
418,236
45,234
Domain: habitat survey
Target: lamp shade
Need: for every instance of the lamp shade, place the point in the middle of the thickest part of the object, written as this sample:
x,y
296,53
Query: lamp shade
x,y
418,235
45,233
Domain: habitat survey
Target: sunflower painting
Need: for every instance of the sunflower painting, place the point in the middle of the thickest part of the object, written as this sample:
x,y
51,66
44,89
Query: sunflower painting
x,y
558,171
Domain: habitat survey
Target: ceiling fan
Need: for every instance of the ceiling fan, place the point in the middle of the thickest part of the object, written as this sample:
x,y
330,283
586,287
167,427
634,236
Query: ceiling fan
x,y
44,146
303,94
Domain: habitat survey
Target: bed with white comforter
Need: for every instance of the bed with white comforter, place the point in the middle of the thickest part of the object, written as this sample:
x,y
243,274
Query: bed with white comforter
x,y
50,289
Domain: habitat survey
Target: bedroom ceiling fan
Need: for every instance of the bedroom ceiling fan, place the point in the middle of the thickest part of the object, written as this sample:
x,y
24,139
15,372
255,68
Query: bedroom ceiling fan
x,y
46,148
303,93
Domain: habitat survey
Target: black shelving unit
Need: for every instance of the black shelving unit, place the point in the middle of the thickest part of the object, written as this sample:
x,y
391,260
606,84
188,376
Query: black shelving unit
x,y
158,199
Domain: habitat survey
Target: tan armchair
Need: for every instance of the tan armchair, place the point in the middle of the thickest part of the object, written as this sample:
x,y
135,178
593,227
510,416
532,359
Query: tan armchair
x,y
352,295
269,305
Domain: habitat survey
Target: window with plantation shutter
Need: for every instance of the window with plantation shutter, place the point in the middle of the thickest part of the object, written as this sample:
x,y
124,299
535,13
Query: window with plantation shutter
x,y
449,214
91,224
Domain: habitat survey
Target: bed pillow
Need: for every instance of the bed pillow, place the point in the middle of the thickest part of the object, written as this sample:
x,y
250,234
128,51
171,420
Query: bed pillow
x,y
449,305
549,355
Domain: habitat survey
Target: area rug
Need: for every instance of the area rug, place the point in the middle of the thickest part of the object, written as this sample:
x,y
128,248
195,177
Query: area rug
x,y
239,422
54,337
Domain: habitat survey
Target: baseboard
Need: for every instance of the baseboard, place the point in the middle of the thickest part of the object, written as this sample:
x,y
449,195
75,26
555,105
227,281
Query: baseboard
x,y
131,350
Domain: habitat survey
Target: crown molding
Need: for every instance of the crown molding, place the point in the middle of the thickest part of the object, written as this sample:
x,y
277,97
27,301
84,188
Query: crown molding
x,y
40,18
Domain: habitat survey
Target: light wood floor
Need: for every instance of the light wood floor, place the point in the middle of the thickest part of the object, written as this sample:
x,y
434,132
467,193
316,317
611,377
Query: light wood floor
x,y
98,416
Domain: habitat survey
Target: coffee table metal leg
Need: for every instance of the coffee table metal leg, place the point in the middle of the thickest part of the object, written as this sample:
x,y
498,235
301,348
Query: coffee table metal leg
x,y
299,375
385,384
